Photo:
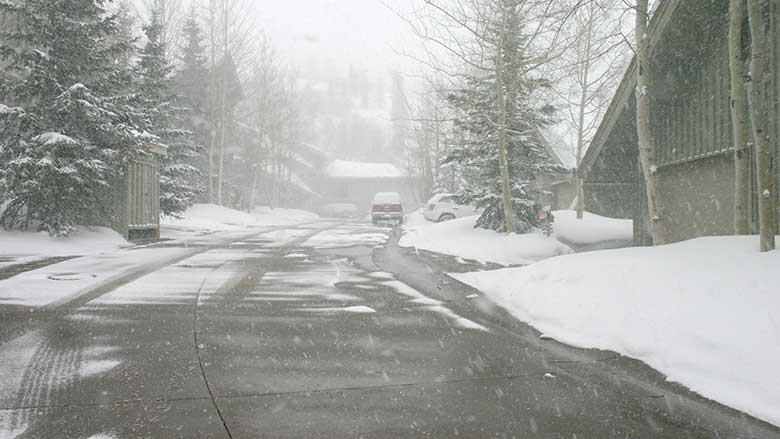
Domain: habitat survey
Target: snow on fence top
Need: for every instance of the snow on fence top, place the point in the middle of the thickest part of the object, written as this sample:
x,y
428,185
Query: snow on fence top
x,y
348,169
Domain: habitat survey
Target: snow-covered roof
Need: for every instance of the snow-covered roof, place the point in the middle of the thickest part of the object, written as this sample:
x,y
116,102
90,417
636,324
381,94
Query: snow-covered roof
x,y
558,147
349,169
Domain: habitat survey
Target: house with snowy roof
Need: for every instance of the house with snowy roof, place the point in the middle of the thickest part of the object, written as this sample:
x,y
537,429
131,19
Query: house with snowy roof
x,y
356,183
309,177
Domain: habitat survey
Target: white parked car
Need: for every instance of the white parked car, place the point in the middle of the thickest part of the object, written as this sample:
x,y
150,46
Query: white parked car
x,y
444,207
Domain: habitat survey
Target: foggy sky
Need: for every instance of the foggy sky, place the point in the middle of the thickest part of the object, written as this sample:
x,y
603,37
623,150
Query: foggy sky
x,y
363,33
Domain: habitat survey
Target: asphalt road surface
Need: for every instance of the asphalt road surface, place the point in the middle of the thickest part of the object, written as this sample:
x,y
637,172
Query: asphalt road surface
x,y
318,331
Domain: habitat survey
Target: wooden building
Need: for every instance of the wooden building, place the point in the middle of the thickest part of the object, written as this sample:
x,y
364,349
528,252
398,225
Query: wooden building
x,y
691,123
134,202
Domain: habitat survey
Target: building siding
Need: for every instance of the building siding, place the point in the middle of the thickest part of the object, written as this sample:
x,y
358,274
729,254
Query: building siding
x,y
698,197
692,127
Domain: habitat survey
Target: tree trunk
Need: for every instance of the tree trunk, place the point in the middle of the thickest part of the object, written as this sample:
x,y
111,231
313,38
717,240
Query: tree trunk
x,y
739,120
221,165
759,80
659,226
212,97
503,161
580,146
223,106
581,116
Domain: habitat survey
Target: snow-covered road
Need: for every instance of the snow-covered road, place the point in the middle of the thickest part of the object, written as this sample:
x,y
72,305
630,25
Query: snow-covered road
x,y
293,332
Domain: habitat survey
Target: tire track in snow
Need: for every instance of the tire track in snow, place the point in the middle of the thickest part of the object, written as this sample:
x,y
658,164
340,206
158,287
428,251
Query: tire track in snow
x,y
50,369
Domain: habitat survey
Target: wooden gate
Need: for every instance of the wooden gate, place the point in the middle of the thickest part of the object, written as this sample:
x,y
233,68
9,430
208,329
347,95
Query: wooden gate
x,y
143,198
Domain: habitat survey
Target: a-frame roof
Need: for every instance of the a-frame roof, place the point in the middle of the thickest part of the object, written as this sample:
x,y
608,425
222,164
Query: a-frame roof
x,y
625,92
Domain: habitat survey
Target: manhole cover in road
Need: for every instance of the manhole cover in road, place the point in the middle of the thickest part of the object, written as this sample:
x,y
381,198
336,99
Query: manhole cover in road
x,y
71,276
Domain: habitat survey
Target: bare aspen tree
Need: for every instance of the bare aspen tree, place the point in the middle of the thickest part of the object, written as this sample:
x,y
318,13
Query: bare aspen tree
x,y
739,119
231,38
659,225
505,42
264,82
758,84
212,26
223,100
503,144
425,156
170,15
585,85
593,69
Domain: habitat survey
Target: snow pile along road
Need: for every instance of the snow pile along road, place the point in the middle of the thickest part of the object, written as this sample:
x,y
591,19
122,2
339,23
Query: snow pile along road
x,y
460,238
20,247
591,229
219,218
704,312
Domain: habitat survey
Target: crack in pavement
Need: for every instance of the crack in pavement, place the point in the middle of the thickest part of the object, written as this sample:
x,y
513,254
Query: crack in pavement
x,y
305,393
293,243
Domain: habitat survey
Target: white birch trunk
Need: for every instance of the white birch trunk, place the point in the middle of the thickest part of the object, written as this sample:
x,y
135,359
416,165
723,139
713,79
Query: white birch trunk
x,y
503,161
739,120
760,77
659,226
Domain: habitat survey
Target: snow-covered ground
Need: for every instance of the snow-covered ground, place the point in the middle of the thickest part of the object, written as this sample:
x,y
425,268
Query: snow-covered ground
x,y
20,247
591,229
415,219
58,283
704,312
218,218
105,256
459,238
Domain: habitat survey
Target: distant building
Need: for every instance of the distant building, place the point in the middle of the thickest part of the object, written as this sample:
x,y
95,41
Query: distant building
x,y
557,190
312,179
691,124
357,182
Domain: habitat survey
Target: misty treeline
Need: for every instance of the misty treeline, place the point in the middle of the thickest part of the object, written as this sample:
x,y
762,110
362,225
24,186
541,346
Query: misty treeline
x,y
502,75
88,85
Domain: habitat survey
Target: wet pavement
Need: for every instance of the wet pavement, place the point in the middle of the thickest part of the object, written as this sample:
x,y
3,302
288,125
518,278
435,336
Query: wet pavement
x,y
319,331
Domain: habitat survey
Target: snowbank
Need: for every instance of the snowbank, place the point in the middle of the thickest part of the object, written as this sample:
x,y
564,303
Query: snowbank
x,y
705,312
219,218
460,238
415,219
19,247
211,217
591,229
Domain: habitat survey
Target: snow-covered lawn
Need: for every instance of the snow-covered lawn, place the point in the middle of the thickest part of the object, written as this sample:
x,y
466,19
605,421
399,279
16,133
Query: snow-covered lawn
x,y
58,283
460,238
704,312
591,229
218,218
20,247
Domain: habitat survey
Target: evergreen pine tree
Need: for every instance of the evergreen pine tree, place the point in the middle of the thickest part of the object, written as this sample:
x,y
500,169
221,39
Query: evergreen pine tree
x,y
66,124
193,75
192,92
178,177
477,120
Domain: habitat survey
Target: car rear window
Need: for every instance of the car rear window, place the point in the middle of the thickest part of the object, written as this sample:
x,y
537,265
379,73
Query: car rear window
x,y
387,198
